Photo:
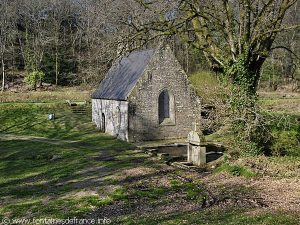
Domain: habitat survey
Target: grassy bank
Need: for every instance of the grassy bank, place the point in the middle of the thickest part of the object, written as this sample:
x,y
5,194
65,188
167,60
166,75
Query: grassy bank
x,y
54,175
59,94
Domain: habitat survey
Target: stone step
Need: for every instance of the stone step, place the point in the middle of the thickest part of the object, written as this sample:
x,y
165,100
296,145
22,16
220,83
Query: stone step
x,y
163,156
184,165
79,110
152,152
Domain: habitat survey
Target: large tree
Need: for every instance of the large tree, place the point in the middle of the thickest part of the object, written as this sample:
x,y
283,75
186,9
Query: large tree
x,y
236,36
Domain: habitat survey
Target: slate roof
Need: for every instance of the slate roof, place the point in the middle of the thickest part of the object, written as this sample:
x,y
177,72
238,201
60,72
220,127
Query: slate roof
x,y
123,76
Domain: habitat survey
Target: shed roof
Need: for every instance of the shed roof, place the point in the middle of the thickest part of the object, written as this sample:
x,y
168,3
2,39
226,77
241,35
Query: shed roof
x,y
123,75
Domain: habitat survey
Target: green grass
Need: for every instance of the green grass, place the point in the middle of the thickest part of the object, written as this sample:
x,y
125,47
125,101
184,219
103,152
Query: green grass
x,y
218,216
235,170
190,190
57,95
152,193
42,176
207,85
290,106
277,95
279,167
32,119
285,130
64,174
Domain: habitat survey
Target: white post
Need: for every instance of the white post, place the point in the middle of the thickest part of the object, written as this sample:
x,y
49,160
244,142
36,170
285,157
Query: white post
x,y
196,153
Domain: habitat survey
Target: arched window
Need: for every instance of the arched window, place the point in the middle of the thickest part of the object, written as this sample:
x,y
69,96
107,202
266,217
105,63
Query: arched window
x,y
164,106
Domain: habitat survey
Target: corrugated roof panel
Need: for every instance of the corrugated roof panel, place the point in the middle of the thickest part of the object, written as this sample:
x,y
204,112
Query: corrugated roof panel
x,y
123,76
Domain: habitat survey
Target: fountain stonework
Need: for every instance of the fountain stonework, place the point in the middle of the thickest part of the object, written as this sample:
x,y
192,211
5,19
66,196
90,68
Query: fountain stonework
x,y
196,154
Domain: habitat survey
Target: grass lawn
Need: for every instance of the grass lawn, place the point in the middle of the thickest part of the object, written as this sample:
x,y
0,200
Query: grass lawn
x,y
60,94
43,176
66,168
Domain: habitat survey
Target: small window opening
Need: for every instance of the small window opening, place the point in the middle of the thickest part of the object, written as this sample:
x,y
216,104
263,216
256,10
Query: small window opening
x,y
164,106
103,124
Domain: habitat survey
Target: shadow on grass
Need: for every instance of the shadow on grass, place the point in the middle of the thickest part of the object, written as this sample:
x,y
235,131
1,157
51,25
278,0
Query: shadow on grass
x,y
34,170
64,179
218,216
30,119
27,157
45,180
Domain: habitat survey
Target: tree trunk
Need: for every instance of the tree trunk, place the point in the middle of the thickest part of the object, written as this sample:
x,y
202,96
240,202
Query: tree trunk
x,y
3,73
56,65
187,58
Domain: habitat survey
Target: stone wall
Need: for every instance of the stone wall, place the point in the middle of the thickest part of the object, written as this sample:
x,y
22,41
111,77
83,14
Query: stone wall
x,y
163,73
115,120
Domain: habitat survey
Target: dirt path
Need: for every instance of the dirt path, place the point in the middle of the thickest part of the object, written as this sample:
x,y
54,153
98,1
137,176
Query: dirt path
x,y
221,190
268,192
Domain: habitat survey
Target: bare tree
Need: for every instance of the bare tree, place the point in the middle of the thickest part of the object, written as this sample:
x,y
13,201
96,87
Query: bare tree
x,y
236,36
99,36
34,35
286,45
7,33
57,15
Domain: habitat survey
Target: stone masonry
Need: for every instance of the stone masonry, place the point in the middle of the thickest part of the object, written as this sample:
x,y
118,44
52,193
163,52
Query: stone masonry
x,y
139,113
163,73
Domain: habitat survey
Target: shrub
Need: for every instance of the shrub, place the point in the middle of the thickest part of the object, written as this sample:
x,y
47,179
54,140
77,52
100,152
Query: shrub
x,y
285,130
250,133
33,77
235,170
286,143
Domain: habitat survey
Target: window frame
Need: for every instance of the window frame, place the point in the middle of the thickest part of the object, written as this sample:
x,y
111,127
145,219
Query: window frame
x,y
166,121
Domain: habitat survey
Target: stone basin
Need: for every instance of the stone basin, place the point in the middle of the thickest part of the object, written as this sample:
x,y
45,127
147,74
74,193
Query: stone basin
x,y
179,151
